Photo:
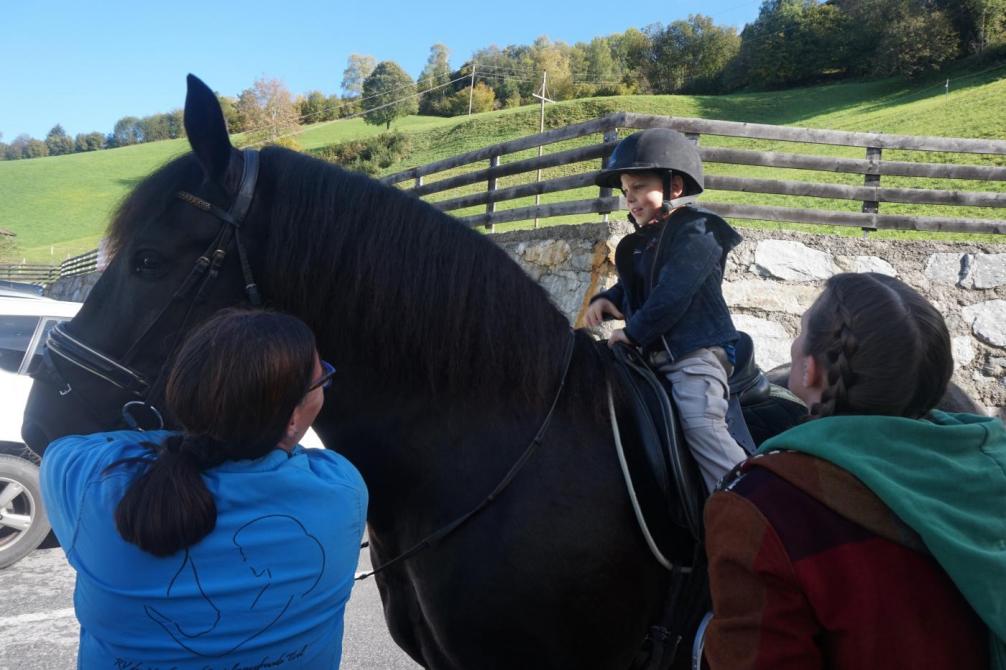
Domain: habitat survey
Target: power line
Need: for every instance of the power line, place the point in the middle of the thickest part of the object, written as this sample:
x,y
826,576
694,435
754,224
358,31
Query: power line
x,y
353,103
364,112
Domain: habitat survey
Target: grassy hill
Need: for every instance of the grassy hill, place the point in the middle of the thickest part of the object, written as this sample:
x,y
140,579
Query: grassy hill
x,y
59,206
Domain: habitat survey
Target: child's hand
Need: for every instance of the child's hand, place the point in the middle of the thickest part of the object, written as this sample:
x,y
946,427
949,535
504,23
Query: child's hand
x,y
597,310
619,337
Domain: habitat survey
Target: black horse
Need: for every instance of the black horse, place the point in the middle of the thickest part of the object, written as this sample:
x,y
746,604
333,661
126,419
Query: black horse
x,y
449,359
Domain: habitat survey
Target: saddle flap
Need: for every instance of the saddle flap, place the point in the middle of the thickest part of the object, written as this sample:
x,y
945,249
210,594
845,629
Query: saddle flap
x,y
661,467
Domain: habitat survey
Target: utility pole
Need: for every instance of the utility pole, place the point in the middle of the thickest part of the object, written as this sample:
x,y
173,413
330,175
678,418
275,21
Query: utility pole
x,y
948,91
543,97
471,90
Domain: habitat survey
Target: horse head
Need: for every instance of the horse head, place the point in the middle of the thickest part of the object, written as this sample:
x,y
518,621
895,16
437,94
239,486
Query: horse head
x,y
181,247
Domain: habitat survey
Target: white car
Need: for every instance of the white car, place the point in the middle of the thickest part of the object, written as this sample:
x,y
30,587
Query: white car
x,y
25,321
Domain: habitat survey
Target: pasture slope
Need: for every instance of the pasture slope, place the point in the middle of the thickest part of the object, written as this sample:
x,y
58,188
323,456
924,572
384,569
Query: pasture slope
x,y
59,206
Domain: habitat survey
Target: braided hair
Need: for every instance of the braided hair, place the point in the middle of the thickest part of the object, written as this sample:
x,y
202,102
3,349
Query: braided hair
x,y
233,388
883,348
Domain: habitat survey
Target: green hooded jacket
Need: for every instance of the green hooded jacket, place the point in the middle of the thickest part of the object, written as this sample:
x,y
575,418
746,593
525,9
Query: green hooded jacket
x,y
945,477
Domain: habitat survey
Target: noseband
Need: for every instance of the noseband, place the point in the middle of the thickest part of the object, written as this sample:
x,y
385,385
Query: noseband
x,y
60,344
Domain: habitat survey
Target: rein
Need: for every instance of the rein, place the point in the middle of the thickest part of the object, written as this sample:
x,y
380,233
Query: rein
x,y
446,530
60,344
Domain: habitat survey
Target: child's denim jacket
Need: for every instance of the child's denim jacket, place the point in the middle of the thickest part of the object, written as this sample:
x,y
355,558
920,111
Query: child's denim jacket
x,y
679,305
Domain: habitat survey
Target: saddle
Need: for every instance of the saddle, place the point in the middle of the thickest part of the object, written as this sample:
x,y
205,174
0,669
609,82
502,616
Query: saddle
x,y
659,469
665,487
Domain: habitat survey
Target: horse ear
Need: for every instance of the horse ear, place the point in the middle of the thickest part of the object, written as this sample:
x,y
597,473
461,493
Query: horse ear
x,y
206,129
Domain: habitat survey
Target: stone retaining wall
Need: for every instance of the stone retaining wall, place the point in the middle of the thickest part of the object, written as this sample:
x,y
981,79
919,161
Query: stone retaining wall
x,y
774,276
73,288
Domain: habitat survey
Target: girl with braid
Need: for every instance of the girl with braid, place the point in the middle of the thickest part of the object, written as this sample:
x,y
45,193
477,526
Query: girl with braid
x,y
871,536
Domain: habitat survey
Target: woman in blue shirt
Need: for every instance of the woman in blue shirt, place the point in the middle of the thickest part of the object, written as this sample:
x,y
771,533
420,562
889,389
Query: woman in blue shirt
x,y
225,545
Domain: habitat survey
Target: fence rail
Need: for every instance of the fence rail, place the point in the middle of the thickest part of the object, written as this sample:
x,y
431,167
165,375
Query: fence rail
x,y
871,193
45,274
78,265
29,274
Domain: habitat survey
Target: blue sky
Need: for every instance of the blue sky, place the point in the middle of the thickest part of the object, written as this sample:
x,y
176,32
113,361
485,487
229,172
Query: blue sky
x,y
85,65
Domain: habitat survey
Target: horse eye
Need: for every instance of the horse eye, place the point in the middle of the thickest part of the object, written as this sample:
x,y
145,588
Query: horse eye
x,y
146,261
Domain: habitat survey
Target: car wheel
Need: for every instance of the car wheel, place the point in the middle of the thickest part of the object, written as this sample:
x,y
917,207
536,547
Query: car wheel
x,y
23,523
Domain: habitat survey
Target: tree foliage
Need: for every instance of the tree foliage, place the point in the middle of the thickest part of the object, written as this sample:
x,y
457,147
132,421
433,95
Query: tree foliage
x,y
388,93
432,79
58,142
689,55
266,109
358,68
88,142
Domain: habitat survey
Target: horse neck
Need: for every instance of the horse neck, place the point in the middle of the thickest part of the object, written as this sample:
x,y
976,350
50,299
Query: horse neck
x,y
391,285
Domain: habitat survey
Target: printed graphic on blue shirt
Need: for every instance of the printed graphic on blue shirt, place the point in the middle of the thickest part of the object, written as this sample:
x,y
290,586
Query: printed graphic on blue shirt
x,y
263,607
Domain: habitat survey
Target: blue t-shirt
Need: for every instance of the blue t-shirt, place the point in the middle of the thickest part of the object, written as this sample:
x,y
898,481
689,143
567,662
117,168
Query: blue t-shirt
x,y
267,588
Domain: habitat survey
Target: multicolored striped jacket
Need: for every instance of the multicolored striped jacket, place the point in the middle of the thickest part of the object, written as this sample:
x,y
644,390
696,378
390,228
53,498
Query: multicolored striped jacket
x,y
809,569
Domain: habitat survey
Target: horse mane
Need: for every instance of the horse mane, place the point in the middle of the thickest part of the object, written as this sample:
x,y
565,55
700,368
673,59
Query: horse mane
x,y
377,271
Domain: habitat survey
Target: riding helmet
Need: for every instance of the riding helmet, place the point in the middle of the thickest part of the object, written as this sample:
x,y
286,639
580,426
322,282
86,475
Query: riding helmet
x,y
655,150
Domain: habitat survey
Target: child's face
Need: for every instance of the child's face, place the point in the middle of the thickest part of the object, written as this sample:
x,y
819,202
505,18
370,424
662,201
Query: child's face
x,y
644,193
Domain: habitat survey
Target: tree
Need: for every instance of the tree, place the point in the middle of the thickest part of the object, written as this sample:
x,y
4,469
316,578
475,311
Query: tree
x,y
631,51
228,106
26,146
315,107
388,93
917,42
988,22
554,58
358,68
266,109
690,55
798,41
58,142
88,142
483,100
128,130
436,73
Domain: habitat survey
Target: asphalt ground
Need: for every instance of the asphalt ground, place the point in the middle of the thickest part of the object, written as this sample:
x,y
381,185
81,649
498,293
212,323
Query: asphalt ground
x,y
38,629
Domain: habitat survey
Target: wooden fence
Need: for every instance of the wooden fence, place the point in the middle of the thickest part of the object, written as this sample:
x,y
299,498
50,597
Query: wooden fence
x,y
79,265
45,274
29,274
871,167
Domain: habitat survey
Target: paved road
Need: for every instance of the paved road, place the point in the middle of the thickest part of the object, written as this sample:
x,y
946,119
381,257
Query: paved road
x,y
38,630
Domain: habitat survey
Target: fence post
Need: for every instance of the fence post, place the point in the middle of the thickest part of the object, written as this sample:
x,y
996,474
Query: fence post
x,y
494,161
610,135
872,206
419,181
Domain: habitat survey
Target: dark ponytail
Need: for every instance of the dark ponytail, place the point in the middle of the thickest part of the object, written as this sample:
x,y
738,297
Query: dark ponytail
x,y
233,388
884,349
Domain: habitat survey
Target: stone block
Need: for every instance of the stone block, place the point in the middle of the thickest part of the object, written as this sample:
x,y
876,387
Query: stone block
x,y
770,339
867,264
988,321
793,261
549,253
988,271
769,296
964,351
949,269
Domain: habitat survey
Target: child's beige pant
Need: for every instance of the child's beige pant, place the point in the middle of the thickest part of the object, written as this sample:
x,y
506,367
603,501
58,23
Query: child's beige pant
x,y
700,393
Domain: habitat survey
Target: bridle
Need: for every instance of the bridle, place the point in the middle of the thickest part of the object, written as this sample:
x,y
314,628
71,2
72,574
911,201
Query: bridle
x,y
119,373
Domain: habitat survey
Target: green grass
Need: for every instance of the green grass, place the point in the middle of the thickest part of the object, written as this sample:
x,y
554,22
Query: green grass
x,y
59,206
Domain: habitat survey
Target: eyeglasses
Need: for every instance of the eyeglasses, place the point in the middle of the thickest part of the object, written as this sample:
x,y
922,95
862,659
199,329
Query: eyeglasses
x,y
325,381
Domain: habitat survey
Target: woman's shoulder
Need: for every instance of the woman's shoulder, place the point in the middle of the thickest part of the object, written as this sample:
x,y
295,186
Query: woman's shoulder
x,y
327,466
100,449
